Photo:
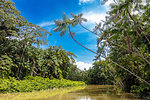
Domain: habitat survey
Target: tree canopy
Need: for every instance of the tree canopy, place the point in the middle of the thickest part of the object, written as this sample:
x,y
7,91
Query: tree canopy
x,y
18,57
123,41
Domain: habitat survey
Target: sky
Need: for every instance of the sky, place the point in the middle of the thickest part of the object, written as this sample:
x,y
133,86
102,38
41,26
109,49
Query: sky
x,y
44,12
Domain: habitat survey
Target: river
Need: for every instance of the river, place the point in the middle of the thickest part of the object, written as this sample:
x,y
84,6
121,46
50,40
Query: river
x,y
94,92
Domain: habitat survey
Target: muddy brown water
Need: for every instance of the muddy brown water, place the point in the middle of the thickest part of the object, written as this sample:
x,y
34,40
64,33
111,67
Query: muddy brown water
x,y
94,92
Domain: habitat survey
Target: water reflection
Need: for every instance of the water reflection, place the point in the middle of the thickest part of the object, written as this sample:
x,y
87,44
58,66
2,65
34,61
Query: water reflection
x,y
85,98
94,92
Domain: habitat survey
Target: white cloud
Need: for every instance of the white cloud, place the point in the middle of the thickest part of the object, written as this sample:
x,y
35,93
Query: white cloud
x,y
85,1
44,24
109,2
92,46
81,65
93,17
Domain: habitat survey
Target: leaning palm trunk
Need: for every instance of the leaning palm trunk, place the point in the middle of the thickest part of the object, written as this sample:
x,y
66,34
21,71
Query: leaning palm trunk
x,y
118,65
80,43
64,25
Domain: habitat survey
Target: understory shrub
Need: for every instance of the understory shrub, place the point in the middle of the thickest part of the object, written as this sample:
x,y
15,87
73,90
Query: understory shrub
x,y
35,83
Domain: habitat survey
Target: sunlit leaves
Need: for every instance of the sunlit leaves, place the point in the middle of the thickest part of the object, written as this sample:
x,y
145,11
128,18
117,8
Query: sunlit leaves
x,y
125,35
6,64
62,26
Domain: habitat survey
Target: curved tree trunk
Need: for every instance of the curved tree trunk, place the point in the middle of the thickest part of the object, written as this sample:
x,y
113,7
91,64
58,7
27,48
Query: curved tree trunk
x,y
122,67
79,43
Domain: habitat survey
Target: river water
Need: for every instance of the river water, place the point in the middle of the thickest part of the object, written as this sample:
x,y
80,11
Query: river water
x,y
94,92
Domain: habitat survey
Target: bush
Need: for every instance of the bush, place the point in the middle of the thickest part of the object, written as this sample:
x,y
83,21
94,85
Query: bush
x,y
141,90
34,83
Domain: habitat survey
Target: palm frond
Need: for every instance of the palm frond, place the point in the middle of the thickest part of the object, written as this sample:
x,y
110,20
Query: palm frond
x,y
57,29
73,15
80,15
65,17
74,22
83,19
58,22
64,30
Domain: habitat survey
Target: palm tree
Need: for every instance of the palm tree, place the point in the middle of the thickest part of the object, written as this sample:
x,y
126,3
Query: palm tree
x,y
63,26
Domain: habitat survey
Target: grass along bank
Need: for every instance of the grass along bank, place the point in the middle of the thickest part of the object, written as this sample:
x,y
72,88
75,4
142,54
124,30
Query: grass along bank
x,y
30,84
36,95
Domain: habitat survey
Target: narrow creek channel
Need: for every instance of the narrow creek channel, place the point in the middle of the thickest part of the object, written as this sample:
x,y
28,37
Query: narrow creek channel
x,y
94,92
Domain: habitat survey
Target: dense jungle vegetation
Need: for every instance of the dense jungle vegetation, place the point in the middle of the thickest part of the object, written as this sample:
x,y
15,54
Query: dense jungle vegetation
x,y
20,60
123,55
123,40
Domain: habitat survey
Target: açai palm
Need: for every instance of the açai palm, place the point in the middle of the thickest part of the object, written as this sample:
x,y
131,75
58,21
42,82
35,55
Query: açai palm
x,y
63,26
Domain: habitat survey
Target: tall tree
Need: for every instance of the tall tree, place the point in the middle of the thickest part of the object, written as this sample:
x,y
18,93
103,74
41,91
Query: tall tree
x,y
125,40
17,35
64,26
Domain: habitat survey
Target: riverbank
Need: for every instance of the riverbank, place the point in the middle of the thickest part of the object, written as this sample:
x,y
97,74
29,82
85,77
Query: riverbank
x,y
30,84
90,92
95,92
36,95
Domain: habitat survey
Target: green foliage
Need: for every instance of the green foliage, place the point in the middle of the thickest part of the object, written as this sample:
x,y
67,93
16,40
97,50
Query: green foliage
x,y
124,41
94,75
10,19
142,90
97,75
63,26
31,83
19,57
57,61
74,73
6,64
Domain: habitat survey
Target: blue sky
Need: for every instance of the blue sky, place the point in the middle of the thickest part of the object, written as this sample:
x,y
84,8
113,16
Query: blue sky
x,y
44,12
